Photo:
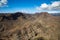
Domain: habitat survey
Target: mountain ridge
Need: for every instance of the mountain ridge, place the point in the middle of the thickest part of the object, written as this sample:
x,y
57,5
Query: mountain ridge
x,y
37,26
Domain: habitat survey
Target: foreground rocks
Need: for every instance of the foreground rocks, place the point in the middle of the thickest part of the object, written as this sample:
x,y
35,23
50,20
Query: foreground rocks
x,y
21,26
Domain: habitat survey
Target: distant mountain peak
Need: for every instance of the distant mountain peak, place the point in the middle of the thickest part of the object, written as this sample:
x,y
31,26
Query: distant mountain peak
x,y
13,16
45,14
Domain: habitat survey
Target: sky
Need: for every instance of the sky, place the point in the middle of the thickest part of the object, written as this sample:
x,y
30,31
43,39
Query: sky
x,y
29,6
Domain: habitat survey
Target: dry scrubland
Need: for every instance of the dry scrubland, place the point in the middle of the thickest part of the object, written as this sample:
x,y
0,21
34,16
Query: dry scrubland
x,y
20,26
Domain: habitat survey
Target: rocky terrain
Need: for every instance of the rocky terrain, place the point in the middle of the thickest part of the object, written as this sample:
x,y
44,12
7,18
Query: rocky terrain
x,y
20,26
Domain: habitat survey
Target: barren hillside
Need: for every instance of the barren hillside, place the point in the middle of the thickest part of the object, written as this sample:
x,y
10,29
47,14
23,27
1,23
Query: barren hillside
x,y
20,26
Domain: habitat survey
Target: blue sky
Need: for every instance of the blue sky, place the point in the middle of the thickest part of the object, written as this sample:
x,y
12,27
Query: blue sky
x,y
30,6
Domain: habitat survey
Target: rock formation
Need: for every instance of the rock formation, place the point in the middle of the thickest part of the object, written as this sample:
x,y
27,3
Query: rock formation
x,y
20,26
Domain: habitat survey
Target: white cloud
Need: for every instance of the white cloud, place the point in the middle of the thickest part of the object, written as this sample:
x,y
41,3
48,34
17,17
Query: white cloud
x,y
53,6
43,6
24,11
3,3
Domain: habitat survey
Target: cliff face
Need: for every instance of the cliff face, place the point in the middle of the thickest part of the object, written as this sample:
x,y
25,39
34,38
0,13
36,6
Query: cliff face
x,y
21,26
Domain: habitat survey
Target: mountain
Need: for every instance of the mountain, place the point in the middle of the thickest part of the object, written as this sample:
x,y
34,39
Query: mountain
x,y
55,14
20,26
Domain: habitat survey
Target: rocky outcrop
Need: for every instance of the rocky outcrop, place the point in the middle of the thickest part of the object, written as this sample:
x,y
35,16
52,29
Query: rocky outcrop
x,y
21,26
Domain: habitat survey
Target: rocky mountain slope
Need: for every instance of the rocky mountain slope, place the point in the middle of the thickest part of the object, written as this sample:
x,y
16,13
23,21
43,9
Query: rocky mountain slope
x,y
20,26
